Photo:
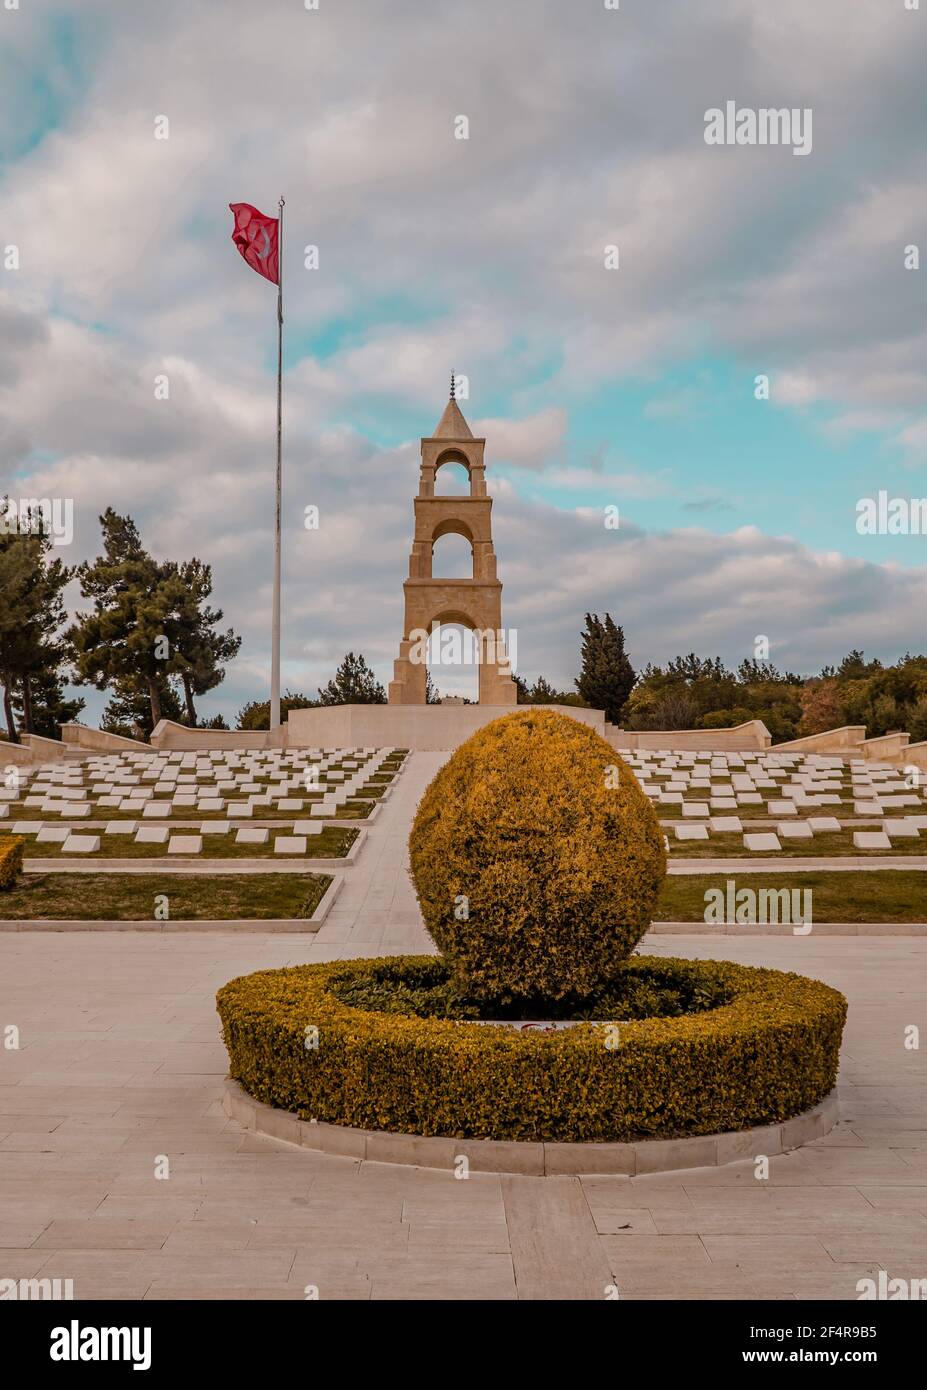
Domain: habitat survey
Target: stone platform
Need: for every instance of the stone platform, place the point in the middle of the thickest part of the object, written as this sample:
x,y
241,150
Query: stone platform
x,y
426,728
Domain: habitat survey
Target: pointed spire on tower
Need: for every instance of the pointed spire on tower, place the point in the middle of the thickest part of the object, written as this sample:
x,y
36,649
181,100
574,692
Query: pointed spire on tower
x,y
452,424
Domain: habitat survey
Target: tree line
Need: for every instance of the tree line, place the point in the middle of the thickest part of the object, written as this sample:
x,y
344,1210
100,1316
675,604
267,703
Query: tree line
x,y
152,640
692,692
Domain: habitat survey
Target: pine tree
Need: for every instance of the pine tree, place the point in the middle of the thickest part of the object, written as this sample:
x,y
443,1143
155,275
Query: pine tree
x,y
129,712
32,614
151,624
354,684
201,650
607,676
50,708
256,713
16,565
543,693
854,666
128,642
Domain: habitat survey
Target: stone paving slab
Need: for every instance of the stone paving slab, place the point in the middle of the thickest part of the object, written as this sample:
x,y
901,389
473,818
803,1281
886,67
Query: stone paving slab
x,y
240,1214
121,1061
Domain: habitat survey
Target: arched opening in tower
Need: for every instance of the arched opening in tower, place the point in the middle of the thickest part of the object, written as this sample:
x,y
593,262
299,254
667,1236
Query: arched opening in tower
x,y
452,480
452,557
453,664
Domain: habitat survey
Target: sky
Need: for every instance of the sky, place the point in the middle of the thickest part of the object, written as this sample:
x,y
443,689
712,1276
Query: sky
x,y
596,387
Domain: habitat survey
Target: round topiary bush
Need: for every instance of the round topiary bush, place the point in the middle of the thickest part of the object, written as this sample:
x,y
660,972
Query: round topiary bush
x,y
536,859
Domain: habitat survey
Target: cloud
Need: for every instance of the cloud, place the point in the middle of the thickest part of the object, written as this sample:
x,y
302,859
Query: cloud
x,y
913,439
861,422
707,504
601,480
529,443
689,590
485,255
504,232
675,590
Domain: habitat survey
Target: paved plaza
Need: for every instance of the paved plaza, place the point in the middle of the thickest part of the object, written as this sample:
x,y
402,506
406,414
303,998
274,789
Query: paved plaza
x,y
118,1078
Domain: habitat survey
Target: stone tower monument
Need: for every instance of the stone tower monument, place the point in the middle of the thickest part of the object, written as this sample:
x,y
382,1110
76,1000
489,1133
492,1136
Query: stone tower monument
x,y
475,603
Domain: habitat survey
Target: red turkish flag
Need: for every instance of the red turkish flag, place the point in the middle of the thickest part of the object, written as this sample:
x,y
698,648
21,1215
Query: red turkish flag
x,y
256,238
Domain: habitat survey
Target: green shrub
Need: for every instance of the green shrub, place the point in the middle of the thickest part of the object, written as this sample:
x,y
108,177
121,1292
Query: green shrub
x,y
535,875
12,848
426,991
769,1053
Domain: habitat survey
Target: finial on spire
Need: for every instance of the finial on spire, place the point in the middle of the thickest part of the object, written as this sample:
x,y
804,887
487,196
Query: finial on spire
x,y
452,385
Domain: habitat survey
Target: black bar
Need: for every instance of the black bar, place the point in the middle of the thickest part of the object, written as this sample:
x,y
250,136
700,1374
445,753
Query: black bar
x,y
296,1340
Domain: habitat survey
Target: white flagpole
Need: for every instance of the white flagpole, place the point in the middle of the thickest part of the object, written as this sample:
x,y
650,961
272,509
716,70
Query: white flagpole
x,y
275,639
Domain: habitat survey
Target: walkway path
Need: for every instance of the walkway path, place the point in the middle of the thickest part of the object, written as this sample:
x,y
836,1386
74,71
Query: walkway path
x,y
376,912
120,1066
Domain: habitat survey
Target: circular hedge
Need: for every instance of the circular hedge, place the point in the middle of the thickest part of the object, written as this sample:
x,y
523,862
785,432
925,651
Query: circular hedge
x,y
536,858
767,1054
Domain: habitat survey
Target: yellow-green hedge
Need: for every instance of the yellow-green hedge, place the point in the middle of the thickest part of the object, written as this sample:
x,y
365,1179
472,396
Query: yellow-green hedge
x,y
768,1054
536,858
12,848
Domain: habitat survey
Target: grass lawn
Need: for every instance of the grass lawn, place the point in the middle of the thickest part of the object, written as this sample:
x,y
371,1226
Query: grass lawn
x,y
890,896
819,846
331,844
351,810
375,789
131,897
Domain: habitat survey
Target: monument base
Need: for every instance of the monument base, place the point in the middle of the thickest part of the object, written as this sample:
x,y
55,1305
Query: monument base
x,y
426,728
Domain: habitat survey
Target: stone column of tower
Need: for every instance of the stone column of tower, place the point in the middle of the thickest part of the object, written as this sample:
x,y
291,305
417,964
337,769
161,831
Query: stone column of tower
x,y
476,603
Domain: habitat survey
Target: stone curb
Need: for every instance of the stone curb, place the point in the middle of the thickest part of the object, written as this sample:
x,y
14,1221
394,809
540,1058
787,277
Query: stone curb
x,y
526,1158
797,864
301,926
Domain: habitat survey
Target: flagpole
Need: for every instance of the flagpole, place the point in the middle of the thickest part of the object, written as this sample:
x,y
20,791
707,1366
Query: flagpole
x,y
275,641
